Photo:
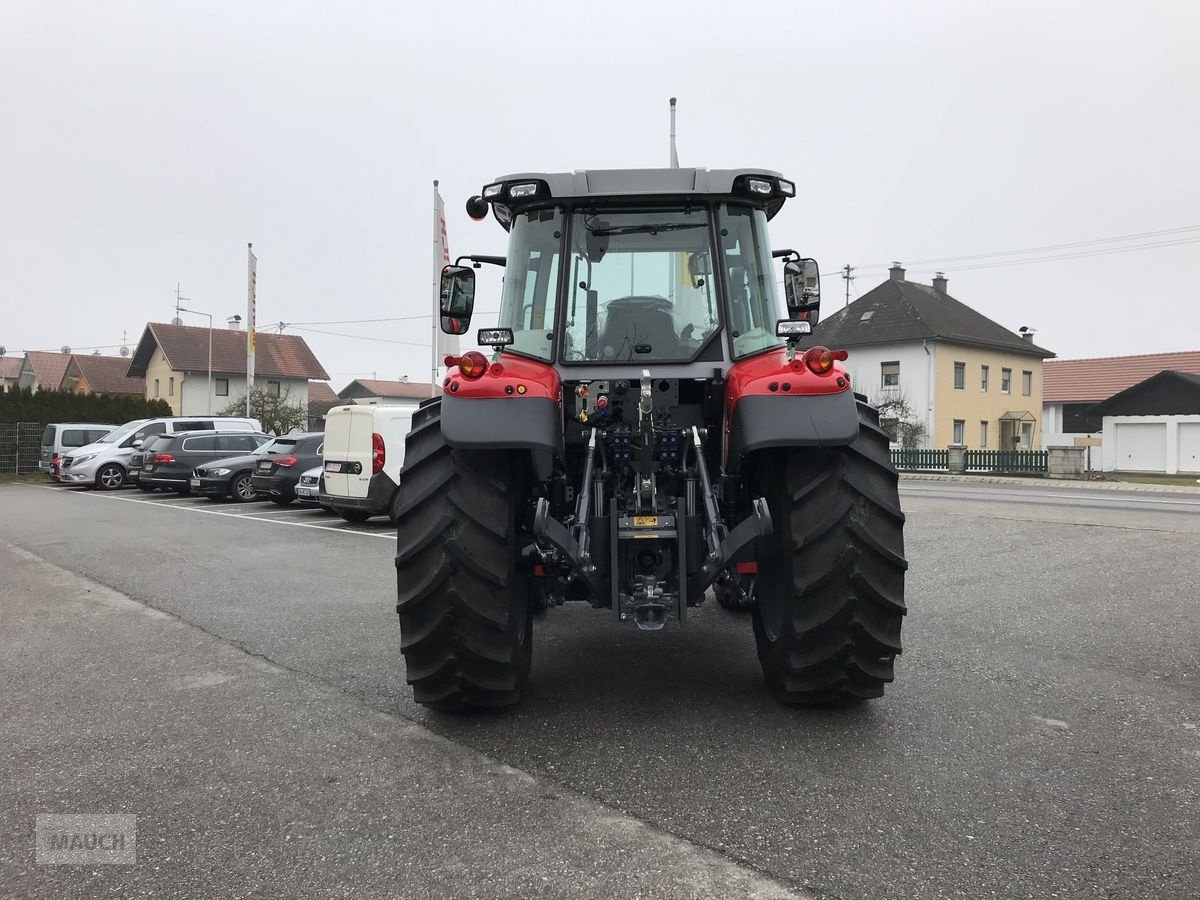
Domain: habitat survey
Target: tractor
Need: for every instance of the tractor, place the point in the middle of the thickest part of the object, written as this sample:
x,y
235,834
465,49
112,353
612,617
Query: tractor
x,y
653,421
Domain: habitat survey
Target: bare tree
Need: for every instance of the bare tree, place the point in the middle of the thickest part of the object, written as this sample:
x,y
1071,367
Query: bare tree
x,y
278,413
897,418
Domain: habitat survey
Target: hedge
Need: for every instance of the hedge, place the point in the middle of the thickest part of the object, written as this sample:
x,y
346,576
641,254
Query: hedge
x,y
23,405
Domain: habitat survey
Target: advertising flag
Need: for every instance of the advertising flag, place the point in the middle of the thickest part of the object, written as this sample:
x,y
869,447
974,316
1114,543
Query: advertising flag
x,y
443,343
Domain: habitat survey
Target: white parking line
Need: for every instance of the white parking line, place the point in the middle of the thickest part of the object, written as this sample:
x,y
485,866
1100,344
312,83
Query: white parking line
x,y
384,535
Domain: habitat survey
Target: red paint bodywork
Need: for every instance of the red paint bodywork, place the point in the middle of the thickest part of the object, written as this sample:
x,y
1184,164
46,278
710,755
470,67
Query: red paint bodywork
x,y
538,378
753,377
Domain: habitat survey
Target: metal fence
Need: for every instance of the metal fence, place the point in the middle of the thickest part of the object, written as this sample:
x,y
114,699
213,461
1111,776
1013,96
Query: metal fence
x,y
20,443
1011,461
924,460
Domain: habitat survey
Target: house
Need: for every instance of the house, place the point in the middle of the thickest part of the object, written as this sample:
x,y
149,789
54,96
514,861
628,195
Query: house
x,y
10,370
1153,426
174,360
1074,386
321,399
929,359
43,370
387,393
101,375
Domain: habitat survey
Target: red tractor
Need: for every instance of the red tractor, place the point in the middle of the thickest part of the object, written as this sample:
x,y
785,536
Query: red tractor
x,y
649,425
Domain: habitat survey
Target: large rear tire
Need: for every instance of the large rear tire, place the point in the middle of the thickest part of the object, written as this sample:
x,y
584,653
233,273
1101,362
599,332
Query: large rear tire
x,y
463,600
830,586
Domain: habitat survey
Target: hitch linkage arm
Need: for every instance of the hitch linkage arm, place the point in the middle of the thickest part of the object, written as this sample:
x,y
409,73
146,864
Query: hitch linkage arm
x,y
574,543
724,545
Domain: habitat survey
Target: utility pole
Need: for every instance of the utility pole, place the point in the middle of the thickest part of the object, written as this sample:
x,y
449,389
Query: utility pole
x,y
848,277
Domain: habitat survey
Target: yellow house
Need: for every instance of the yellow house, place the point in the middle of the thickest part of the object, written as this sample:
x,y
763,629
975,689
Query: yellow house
x,y
931,361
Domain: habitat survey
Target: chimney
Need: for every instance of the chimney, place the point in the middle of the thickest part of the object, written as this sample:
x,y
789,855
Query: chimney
x,y
1027,334
235,323
896,272
939,282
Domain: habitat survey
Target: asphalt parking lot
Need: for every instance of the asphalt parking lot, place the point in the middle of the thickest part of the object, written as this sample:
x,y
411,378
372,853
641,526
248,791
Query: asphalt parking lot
x,y
1041,739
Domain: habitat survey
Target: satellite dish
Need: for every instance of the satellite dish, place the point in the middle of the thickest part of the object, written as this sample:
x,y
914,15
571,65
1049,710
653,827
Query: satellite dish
x,y
177,321
95,353
124,350
3,350
64,349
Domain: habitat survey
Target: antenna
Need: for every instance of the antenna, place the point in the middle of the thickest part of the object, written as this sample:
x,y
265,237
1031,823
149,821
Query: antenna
x,y
179,301
124,343
847,276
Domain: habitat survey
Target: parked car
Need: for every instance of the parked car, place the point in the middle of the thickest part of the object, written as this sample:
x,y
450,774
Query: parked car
x,y
233,477
105,463
308,490
61,438
364,452
277,474
170,458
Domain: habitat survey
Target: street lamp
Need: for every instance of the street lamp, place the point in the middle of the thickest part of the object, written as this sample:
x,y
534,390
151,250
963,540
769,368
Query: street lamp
x,y
210,393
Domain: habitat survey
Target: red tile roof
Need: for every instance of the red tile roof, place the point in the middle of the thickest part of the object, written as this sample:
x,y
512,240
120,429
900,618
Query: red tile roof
x,y
109,375
1090,380
320,392
186,349
10,366
48,368
366,387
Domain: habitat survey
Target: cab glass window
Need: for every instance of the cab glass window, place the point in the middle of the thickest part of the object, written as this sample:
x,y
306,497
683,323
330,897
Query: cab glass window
x,y
754,305
529,299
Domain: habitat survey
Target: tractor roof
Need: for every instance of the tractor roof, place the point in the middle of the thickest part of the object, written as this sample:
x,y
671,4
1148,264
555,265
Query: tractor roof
x,y
613,184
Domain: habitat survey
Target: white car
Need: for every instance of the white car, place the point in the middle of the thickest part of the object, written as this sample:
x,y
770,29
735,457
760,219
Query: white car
x,y
308,489
364,453
105,464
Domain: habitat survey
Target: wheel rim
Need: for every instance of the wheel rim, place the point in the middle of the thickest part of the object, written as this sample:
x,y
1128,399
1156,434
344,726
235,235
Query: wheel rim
x,y
111,477
244,488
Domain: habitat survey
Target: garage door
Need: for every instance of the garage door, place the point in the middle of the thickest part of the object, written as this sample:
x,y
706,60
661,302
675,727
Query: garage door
x,y
1141,446
1189,447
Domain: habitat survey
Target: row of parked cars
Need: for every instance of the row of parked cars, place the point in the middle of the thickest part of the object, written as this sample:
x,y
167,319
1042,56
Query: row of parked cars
x,y
352,468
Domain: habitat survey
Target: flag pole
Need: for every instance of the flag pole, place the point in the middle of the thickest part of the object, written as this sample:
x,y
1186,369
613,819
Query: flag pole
x,y
251,292
674,155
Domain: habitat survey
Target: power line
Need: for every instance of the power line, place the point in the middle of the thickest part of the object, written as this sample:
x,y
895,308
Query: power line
x,y
1050,247
361,337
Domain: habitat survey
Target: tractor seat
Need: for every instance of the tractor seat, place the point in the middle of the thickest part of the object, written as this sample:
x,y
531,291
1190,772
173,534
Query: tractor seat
x,y
635,321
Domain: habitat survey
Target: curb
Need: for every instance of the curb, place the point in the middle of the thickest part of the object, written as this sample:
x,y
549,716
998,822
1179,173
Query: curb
x,y
1053,483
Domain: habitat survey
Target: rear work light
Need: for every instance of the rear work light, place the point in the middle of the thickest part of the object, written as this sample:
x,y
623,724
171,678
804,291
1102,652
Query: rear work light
x,y
286,462
163,458
472,365
378,454
820,359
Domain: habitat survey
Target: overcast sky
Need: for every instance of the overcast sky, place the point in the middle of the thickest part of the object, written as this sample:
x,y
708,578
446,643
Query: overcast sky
x,y
144,144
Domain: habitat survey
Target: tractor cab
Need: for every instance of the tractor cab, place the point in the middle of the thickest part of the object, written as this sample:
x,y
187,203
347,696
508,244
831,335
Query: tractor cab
x,y
622,269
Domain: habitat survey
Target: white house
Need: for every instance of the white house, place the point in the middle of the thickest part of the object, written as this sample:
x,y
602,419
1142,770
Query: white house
x,y
176,363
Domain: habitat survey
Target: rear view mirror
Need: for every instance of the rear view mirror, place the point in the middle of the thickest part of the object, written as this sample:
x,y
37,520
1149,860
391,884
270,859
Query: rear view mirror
x,y
136,444
802,289
457,299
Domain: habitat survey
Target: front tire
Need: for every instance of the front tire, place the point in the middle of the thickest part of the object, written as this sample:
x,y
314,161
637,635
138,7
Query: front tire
x,y
241,488
463,601
110,477
830,586
353,515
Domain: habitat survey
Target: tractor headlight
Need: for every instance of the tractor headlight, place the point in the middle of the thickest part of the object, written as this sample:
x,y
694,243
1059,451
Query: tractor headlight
x,y
792,328
526,189
758,186
492,191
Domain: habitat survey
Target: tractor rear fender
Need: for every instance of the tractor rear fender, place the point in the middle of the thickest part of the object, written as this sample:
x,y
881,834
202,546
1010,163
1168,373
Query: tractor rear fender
x,y
515,405
771,402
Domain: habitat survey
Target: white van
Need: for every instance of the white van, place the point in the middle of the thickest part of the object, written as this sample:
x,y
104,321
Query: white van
x,y
106,463
61,438
364,452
